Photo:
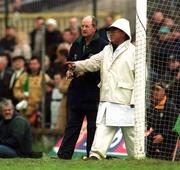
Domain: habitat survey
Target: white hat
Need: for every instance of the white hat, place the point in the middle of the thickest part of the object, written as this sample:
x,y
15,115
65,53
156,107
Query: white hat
x,y
122,24
51,21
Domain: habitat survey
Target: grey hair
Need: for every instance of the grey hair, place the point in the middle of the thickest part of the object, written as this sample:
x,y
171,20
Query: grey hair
x,y
94,20
4,103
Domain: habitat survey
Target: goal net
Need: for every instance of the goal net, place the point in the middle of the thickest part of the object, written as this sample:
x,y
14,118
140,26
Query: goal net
x,y
163,81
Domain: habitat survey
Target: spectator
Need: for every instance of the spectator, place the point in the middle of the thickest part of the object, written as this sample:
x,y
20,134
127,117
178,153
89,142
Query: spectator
x,y
18,65
59,63
173,68
83,93
63,109
167,31
8,42
116,63
74,28
36,37
48,99
8,59
17,4
73,23
59,68
22,47
49,70
5,76
172,78
56,99
68,36
156,23
165,43
53,38
161,118
102,31
29,89
15,133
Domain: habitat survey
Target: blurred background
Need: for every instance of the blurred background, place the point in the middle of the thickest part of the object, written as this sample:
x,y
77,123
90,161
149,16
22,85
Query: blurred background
x,y
41,28
21,13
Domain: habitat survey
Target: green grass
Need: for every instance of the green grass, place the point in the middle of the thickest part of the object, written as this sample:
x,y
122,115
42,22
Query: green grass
x,y
47,163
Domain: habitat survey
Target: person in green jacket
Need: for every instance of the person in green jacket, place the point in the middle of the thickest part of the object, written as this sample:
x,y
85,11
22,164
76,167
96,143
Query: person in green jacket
x,y
15,132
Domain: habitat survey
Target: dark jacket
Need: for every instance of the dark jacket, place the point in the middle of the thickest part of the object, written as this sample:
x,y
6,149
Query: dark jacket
x,y
52,39
103,33
83,91
7,44
16,133
162,122
4,83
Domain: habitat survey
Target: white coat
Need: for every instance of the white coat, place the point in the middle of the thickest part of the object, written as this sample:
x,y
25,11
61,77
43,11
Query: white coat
x,y
116,70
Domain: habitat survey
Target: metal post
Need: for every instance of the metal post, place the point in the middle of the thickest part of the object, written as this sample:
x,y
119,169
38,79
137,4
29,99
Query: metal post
x,y
43,88
94,7
6,12
140,80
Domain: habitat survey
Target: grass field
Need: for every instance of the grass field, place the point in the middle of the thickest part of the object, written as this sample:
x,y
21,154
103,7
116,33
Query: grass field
x,y
47,163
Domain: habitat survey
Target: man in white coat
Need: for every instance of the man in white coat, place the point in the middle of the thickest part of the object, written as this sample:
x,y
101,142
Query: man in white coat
x,y
116,63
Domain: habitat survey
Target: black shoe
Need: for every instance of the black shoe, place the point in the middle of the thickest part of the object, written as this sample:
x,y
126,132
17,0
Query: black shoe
x,y
64,157
35,155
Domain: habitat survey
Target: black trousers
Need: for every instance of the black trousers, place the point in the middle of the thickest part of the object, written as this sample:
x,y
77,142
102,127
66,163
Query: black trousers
x,y
72,131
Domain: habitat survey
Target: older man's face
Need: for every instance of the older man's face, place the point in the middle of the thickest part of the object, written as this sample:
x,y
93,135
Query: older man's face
x,y
7,112
87,29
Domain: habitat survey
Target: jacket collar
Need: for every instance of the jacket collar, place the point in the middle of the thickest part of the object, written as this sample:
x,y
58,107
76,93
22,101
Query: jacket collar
x,y
119,50
81,38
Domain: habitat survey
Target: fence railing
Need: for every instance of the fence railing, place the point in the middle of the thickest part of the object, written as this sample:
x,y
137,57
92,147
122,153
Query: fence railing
x,y
25,22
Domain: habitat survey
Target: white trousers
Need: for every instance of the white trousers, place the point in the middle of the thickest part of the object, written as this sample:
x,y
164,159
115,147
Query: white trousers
x,y
104,136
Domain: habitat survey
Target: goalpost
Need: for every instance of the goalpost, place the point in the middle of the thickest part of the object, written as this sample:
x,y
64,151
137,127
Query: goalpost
x,y
158,57
139,91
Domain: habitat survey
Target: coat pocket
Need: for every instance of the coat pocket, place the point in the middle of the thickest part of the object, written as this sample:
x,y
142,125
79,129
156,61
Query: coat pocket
x,y
125,85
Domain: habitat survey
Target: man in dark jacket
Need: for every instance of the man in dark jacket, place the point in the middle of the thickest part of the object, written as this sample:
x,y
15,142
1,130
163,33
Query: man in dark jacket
x,y
15,134
83,93
161,118
36,37
5,77
8,42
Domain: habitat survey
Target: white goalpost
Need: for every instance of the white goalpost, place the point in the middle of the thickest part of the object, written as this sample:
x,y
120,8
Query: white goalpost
x,y
139,87
157,95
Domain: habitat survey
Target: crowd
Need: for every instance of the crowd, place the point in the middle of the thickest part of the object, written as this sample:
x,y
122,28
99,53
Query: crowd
x,y
164,78
21,58
91,58
165,53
